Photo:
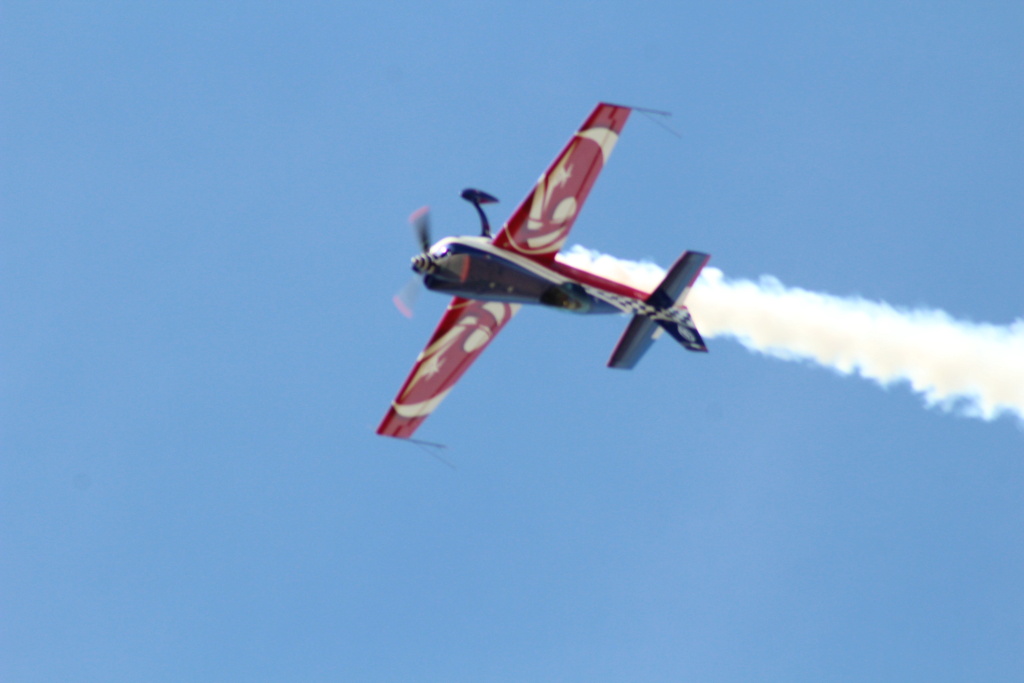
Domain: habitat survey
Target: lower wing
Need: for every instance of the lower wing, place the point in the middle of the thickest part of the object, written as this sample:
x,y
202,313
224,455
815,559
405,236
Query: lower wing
x,y
465,330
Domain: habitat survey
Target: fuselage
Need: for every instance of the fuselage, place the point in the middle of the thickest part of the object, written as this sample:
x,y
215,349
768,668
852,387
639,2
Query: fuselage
x,y
473,268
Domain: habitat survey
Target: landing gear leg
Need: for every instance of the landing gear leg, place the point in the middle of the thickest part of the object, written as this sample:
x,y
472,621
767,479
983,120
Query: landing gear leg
x,y
476,198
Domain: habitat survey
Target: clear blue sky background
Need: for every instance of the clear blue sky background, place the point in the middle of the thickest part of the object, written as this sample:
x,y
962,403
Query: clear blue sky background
x,y
202,208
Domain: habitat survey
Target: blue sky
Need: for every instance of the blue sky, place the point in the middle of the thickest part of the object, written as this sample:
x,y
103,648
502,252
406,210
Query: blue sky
x,y
203,220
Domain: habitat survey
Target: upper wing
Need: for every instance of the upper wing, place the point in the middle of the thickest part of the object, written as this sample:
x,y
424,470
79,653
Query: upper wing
x,y
465,330
539,226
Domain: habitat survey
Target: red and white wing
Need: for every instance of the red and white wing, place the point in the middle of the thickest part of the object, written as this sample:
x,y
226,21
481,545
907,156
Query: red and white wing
x,y
540,225
465,330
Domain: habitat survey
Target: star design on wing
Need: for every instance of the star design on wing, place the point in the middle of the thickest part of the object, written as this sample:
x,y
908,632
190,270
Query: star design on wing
x,y
428,367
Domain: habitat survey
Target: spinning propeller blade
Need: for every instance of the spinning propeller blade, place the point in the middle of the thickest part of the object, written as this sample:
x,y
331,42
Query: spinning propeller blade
x,y
420,221
405,298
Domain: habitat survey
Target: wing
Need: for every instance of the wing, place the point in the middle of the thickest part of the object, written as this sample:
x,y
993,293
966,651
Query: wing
x,y
465,330
539,226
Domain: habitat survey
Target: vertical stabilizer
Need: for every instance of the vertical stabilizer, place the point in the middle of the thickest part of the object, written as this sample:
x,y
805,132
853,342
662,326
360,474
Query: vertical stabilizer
x,y
668,314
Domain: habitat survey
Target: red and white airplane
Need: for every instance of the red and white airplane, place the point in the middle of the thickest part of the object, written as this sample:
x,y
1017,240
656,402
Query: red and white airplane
x,y
491,277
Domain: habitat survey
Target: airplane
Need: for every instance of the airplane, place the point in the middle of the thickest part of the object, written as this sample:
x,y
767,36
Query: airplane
x,y
491,277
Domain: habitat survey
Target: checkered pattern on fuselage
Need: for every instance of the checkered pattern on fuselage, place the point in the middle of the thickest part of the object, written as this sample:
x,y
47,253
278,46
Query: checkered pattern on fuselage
x,y
628,304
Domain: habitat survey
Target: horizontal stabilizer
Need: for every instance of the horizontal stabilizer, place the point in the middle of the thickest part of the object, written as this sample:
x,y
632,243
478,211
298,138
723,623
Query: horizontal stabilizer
x,y
668,315
635,341
673,289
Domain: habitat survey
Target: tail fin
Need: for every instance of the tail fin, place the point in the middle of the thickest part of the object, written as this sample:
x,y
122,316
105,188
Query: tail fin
x,y
644,328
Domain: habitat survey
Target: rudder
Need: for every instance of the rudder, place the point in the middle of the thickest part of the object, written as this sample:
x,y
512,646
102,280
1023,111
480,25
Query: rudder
x,y
643,329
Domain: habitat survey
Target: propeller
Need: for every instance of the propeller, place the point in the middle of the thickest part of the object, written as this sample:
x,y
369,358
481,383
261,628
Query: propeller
x,y
405,298
420,221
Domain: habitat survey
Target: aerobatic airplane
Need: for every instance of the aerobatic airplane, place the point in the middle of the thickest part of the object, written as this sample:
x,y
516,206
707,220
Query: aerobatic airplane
x,y
491,277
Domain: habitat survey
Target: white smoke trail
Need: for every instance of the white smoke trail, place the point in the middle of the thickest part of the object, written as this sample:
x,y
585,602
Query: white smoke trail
x,y
977,368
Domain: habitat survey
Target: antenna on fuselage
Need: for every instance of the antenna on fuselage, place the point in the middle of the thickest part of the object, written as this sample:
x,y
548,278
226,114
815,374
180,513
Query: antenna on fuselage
x,y
476,198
